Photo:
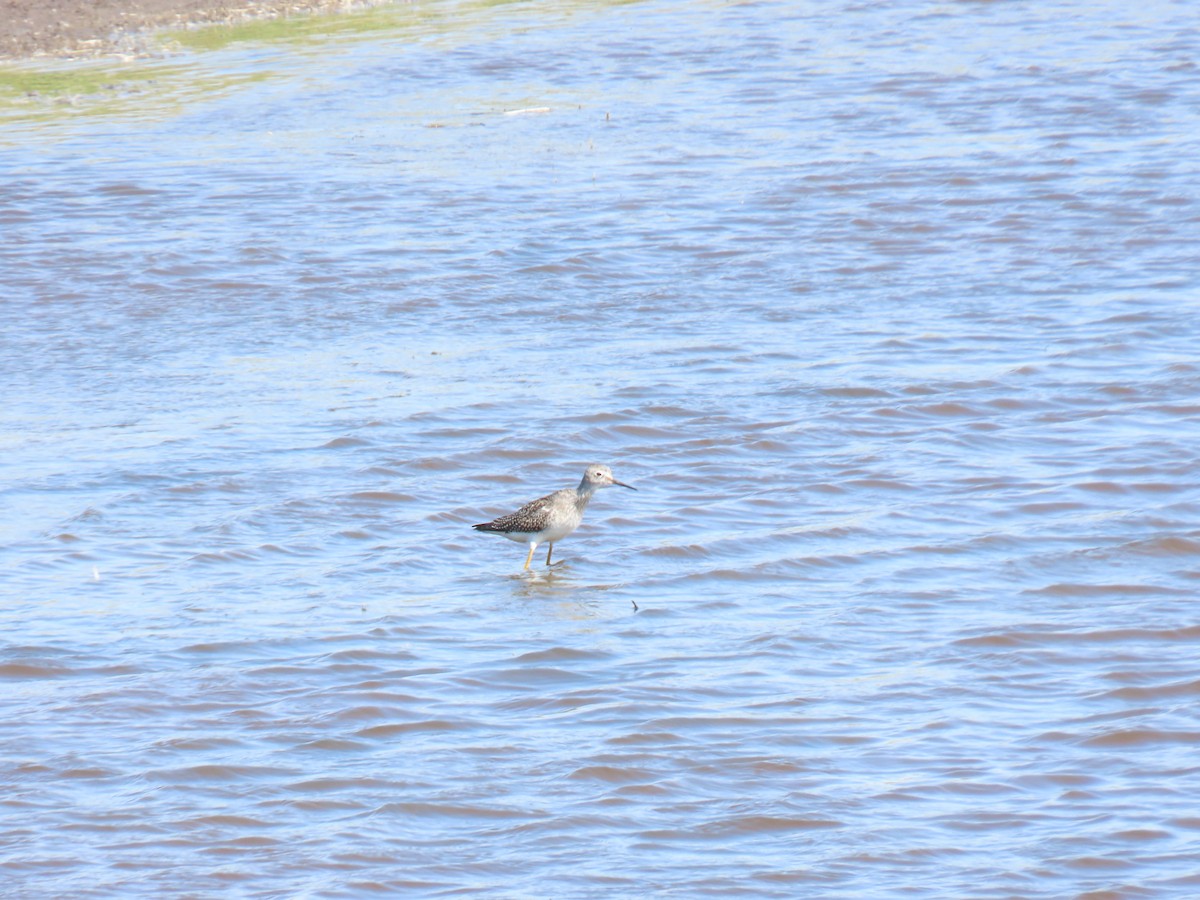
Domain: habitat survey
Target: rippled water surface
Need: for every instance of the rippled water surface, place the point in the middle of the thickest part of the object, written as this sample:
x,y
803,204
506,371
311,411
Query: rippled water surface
x,y
889,311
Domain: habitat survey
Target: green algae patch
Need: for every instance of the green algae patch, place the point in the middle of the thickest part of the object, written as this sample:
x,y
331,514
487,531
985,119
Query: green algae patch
x,y
300,27
166,68
162,71
30,92
363,20
19,81
96,88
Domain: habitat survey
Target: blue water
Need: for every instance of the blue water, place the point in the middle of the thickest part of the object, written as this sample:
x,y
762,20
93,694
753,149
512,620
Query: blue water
x,y
887,310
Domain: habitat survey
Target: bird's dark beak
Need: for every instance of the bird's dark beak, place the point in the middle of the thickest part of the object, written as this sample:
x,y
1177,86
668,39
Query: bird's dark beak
x,y
623,484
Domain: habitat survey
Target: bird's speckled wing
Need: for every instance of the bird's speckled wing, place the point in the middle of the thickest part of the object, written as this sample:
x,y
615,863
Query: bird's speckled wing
x,y
529,519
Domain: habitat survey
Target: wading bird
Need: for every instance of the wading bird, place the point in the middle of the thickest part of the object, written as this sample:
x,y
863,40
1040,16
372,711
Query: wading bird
x,y
549,519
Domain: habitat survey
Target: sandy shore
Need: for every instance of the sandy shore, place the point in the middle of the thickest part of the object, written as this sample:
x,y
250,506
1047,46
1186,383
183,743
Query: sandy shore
x,y
39,28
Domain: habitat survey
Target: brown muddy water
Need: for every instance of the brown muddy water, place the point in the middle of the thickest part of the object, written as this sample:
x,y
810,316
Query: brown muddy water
x,y
888,310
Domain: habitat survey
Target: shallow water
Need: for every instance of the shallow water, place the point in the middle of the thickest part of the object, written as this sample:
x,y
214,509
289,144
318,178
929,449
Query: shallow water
x,y
889,312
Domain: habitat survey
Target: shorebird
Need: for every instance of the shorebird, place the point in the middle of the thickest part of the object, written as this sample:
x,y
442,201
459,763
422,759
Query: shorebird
x,y
551,518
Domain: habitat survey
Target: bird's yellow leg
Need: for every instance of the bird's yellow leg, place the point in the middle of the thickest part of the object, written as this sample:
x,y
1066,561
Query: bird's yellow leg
x,y
532,547
548,552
